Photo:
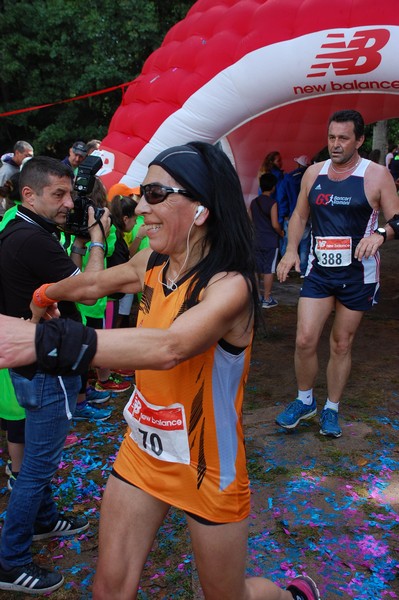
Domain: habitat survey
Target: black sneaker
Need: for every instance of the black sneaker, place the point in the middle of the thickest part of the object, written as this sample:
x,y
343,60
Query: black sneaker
x,y
64,526
30,579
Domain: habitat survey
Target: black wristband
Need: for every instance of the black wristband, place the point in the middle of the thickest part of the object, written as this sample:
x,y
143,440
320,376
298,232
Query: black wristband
x,y
394,223
65,347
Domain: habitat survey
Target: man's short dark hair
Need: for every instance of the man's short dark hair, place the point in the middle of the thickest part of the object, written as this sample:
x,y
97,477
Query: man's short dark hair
x,y
343,116
267,182
37,171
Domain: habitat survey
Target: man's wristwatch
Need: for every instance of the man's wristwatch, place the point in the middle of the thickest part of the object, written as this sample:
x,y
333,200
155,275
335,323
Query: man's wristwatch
x,y
382,231
77,250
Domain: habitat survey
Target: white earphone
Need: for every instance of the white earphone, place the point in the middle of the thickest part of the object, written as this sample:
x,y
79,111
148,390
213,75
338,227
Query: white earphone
x,y
199,211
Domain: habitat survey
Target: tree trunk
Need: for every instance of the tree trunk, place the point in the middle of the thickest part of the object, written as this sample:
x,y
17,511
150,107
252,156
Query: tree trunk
x,y
380,139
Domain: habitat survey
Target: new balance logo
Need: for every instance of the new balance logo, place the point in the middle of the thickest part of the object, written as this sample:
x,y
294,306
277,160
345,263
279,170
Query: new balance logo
x,y
360,55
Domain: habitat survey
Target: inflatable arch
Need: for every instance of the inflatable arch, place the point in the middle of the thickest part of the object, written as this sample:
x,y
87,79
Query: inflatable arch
x,y
257,75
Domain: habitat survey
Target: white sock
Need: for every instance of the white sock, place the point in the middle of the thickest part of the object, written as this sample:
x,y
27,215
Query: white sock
x,y
306,396
332,405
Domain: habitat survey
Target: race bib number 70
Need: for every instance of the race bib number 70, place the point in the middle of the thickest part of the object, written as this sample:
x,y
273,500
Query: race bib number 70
x,y
160,431
333,251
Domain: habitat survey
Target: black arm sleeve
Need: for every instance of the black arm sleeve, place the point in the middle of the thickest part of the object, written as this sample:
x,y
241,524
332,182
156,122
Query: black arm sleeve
x,y
65,347
394,223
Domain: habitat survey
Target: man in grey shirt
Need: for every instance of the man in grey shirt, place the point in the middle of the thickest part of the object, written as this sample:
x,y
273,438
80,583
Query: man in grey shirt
x,y
11,164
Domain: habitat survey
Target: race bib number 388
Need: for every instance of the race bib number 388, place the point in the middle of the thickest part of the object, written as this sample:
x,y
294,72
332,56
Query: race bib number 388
x,y
334,251
160,431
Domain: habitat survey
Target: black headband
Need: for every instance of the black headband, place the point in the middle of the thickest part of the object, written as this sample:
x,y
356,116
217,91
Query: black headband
x,y
187,166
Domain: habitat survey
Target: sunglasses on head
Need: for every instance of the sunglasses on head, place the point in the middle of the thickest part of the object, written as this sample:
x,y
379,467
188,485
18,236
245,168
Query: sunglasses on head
x,y
155,193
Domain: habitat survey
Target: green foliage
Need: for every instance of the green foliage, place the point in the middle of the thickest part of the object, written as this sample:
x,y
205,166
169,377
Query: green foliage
x,y
393,131
54,50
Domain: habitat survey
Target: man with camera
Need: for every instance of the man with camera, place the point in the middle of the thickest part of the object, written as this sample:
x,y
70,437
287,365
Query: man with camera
x,y
30,255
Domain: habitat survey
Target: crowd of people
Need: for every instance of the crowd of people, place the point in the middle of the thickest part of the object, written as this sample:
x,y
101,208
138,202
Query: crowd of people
x,y
203,265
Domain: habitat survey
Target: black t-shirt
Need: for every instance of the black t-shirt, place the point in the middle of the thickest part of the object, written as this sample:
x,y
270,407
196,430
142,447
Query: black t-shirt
x,y
265,234
120,254
29,257
394,166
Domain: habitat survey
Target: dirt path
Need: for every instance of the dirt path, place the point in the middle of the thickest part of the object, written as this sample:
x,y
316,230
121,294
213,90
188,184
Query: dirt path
x,y
329,507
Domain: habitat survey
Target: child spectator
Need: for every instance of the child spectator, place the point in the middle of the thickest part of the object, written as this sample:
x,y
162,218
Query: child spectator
x,y
131,237
263,213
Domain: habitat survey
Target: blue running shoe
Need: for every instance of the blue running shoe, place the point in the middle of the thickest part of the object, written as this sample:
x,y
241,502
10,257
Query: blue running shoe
x,y
90,412
295,412
329,423
95,396
269,303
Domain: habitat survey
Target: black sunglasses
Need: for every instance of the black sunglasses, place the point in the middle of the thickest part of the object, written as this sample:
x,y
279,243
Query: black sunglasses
x,y
154,193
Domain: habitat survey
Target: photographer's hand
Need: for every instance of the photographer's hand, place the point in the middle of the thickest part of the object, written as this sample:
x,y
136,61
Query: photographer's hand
x,y
96,232
98,245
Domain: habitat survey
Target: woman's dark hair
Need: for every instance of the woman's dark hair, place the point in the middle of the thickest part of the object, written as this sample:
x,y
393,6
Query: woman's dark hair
x,y
229,236
98,195
122,206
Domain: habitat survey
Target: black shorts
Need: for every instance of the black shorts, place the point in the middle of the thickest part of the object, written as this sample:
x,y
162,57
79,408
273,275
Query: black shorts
x,y
15,430
354,295
266,260
192,515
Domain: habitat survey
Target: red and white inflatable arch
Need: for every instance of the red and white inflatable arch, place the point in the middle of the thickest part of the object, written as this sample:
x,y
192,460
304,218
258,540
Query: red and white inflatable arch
x,y
258,75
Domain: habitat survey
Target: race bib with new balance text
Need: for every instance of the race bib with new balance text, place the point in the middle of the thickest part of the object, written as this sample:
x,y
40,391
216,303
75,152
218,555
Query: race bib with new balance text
x,y
160,431
333,251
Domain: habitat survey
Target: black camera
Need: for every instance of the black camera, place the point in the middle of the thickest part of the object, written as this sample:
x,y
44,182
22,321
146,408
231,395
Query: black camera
x,y
78,216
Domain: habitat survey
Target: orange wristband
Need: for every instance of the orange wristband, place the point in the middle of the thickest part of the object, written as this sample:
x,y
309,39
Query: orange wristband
x,y
39,297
